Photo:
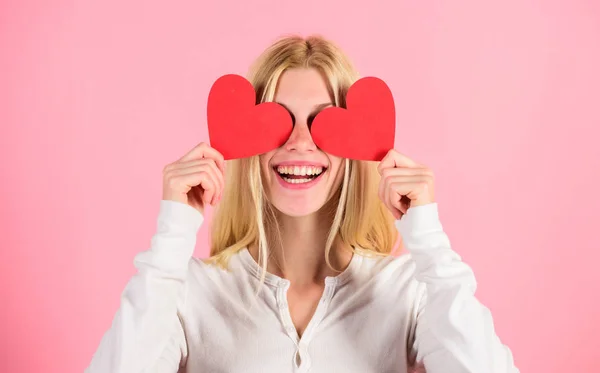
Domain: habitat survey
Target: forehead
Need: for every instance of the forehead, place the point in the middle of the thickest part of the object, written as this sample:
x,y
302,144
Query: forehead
x,y
302,85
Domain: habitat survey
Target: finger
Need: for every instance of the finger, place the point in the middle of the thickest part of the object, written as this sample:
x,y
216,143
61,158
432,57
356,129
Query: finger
x,y
196,179
220,178
395,197
211,169
410,190
205,165
204,150
211,185
396,159
400,175
384,196
397,187
217,176
405,174
403,171
196,194
208,187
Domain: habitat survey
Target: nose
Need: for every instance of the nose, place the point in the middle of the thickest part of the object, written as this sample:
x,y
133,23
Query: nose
x,y
300,139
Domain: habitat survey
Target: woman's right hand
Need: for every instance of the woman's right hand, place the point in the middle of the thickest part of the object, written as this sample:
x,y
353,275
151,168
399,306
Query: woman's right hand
x,y
196,179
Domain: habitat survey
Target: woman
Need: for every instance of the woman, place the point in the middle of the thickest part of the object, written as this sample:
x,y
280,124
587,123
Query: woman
x,y
300,276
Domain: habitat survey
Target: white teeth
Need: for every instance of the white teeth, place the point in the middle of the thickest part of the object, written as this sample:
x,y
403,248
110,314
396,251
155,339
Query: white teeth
x,y
299,170
296,181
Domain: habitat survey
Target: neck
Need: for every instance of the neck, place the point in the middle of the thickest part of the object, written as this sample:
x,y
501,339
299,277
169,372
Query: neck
x,y
300,255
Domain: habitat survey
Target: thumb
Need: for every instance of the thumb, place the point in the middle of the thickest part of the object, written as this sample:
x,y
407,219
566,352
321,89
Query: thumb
x,y
394,159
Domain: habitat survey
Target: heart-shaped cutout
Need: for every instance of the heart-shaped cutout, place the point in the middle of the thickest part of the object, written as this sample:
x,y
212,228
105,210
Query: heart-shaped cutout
x,y
365,130
239,128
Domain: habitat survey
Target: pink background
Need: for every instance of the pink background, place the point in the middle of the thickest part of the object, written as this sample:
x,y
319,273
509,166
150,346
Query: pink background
x,y
501,99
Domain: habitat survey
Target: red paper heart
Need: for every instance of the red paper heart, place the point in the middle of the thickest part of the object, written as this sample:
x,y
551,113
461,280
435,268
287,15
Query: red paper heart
x,y
239,128
365,130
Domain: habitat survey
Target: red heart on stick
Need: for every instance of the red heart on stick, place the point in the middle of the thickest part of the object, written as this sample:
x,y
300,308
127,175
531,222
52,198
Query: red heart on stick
x,y
363,131
239,128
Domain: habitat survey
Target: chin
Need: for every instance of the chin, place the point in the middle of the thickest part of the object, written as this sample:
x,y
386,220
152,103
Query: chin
x,y
296,208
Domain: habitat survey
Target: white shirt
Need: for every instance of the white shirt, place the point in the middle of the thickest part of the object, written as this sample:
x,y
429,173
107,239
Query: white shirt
x,y
179,314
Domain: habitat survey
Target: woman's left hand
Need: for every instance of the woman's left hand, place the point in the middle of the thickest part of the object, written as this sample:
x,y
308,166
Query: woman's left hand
x,y
404,183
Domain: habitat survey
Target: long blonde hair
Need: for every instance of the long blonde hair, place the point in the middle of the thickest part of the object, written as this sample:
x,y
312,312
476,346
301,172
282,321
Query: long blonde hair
x,y
245,217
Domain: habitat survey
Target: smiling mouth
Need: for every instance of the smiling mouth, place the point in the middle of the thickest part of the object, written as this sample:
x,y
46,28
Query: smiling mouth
x,y
299,174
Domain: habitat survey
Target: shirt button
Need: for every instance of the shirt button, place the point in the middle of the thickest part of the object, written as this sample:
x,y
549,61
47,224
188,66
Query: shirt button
x,y
290,329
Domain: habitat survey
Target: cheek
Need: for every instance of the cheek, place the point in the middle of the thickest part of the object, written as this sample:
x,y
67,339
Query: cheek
x,y
264,165
337,166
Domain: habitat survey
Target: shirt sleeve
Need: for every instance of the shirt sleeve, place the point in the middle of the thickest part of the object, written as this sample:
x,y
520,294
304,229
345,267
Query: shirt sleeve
x,y
146,334
454,331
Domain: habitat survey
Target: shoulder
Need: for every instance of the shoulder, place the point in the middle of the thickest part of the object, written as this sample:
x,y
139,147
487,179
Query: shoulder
x,y
210,289
208,275
213,295
390,267
393,275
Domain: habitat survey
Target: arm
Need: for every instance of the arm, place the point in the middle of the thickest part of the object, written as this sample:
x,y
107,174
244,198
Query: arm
x,y
146,334
454,331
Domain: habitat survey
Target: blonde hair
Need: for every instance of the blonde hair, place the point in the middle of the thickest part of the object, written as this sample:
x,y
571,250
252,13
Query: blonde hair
x,y
245,216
